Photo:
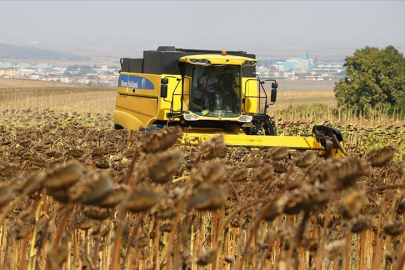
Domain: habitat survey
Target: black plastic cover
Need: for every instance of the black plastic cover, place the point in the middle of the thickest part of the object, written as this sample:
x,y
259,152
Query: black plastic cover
x,y
162,62
165,60
131,65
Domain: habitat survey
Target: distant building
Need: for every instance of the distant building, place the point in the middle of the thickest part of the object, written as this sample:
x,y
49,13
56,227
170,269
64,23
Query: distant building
x,y
290,64
105,70
273,69
42,67
26,71
300,63
64,79
330,68
34,77
280,66
8,72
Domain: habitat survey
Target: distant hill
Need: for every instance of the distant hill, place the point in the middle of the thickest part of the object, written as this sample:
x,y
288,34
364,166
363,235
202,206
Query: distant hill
x,y
27,53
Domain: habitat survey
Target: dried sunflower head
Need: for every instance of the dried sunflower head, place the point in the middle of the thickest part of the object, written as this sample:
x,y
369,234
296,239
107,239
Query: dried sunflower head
x,y
63,176
163,166
51,153
263,173
25,143
280,167
206,257
210,172
341,172
239,175
362,223
208,198
353,202
306,159
6,195
61,195
307,198
97,213
114,197
274,208
93,190
99,151
102,164
380,157
278,153
212,148
141,200
161,139
371,208
38,162
166,208
394,228
76,153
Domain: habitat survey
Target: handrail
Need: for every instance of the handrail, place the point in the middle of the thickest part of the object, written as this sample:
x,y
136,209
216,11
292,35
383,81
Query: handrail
x,y
180,94
258,97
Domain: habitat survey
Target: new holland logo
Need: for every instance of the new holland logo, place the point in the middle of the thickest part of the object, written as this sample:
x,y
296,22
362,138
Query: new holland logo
x,y
135,82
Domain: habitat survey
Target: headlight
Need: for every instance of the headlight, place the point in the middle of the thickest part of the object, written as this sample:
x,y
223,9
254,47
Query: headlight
x,y
245,119
190,117
250,63
200,62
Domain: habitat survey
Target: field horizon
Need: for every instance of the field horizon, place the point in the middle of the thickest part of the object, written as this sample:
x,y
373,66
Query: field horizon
x,y
32,93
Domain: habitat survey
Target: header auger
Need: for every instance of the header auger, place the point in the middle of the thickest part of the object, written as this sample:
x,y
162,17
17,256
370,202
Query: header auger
x,y
208,92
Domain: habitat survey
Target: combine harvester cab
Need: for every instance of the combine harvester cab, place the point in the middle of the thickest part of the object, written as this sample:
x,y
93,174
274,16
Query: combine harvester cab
x,y
206,93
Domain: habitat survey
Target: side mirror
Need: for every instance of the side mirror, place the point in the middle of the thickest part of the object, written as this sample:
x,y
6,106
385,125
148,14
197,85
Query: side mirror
x,y
163,91
273,95
163,87
274,85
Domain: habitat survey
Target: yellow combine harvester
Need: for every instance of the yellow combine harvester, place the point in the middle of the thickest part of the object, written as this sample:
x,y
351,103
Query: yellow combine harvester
x,y
208,92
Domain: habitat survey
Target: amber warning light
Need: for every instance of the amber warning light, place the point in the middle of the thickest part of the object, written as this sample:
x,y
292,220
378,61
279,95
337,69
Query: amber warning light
x,y
223,53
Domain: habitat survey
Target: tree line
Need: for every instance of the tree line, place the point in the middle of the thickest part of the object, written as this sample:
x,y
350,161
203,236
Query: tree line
x,y
375,80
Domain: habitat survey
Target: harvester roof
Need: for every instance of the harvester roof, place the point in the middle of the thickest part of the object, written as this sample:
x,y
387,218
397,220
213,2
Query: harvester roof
x,y
218,59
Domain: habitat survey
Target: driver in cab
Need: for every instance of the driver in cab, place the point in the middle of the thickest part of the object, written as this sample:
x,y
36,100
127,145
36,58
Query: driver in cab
x,y
208,83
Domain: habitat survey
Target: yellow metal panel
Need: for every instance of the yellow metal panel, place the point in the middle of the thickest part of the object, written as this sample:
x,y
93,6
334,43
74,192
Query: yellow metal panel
x,y
297,143
141,108
165,103
127,120
122,90
250,88
262,141
186,91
